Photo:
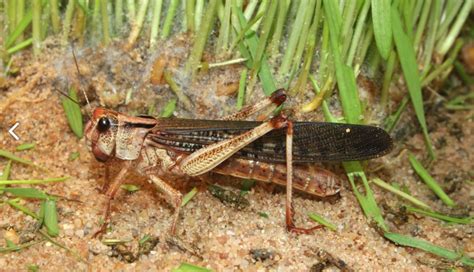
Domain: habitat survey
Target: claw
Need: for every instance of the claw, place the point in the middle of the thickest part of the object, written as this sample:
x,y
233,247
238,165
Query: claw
x,y
297,230
101,231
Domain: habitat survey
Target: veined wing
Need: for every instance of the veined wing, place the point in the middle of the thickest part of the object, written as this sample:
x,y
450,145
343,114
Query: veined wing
x,y
312,141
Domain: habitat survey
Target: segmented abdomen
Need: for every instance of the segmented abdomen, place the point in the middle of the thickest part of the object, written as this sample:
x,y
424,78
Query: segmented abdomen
x,y
306,178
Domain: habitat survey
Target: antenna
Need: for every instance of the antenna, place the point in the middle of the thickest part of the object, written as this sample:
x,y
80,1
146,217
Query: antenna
x,y
80,80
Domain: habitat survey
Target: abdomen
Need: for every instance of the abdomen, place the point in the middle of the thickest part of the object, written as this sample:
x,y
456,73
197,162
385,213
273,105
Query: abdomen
x,y
306,178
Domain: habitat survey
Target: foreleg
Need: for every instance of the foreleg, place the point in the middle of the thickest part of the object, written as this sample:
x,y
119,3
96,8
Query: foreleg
x,y
112,190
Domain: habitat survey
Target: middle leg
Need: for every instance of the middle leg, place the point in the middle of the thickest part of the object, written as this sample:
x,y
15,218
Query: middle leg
x,y
173,196
289,215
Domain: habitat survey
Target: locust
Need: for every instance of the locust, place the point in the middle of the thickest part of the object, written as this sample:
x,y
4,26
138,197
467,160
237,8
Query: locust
x,y
276,150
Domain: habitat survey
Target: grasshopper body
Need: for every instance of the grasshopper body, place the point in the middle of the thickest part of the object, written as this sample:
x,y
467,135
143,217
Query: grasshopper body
x,y
265,151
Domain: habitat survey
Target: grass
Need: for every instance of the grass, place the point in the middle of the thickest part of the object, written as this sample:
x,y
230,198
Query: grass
x,y
48,215
187,197
8,155
283,43
400,193
429,247
186,267
73,113
32,181
430,181
25,146
321,220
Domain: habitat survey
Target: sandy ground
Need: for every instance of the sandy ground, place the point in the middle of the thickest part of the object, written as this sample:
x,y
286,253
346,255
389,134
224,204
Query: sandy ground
x,y
211,234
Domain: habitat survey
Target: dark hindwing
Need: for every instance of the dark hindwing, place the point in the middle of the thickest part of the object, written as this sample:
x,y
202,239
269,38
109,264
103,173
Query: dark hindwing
x,y
312,141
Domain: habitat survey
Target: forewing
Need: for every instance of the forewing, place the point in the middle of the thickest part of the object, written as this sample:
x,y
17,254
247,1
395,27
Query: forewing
x,y
312,141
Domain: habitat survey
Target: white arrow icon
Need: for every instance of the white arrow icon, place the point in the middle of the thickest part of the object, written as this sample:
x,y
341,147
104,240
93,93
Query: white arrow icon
x,y
12,133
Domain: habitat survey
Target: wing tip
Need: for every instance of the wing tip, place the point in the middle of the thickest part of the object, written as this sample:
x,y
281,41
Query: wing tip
x,y
383,142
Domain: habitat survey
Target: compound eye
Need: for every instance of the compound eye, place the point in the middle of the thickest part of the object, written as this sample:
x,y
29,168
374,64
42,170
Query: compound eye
x,y
104,124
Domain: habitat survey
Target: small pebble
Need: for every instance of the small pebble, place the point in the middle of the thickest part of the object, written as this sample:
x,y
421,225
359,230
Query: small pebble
x,y
79,233
77,223
67,226
69,232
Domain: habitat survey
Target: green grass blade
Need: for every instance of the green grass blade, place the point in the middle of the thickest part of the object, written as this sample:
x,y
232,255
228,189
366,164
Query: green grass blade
x,y
401,194
21,246
446,43
241,94
450,219
137,26
155,24
32,181
5,174
410,71
72,251
295,34
426,246
321,220
279,26
130,187
251,42
382,26
68,18
36,26
360,26
185,267
105,22
169,108
430,181
25,146
421,27
243,31
344,74
262,43
177,90
438,72
367,201
20,46
202,37
27,193
451,10
430,38
189,196
11,156
22,208
73,113
41,213
51,217
392,120
74,155
167,25
387,79
24,23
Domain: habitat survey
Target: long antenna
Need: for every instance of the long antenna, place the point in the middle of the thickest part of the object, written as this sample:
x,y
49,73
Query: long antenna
x,y
80,79
69,97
